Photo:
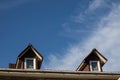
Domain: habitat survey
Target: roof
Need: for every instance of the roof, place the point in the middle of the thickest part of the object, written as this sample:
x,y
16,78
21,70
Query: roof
x,y
30,46
8,74
95,51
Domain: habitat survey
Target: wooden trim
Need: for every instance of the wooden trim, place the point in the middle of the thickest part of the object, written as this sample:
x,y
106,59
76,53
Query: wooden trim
x,y
34,63
17,62
36,53
98,65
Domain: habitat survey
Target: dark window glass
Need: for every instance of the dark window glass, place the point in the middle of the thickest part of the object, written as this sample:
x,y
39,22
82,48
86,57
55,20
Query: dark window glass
x,y
29,63
94,66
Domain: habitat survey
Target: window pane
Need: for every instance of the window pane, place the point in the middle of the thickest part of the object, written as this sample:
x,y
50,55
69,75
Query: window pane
x,y
29,63
94,66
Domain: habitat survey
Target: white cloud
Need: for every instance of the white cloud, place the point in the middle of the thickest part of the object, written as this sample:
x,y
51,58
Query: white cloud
x,y
106,39
66,61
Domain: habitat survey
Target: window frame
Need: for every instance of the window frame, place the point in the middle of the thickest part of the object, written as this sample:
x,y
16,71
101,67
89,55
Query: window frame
x,y
98,65
34,63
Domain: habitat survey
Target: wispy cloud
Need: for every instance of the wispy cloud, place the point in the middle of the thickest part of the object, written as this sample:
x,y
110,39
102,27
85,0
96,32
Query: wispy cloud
x,y
5,5
95,5
85,20
105,38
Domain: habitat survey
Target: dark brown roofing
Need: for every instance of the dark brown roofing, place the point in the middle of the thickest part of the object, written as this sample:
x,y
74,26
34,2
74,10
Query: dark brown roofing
x,y
30,46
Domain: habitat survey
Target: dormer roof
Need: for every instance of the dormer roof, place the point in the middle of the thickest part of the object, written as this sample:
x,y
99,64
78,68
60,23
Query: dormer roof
x,y
30,47
93,55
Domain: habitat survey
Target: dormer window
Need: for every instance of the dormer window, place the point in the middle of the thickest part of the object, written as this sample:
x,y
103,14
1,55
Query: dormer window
x,y
30,63
95,66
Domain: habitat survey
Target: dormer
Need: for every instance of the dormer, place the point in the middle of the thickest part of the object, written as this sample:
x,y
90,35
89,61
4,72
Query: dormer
x,y
93,62
29,58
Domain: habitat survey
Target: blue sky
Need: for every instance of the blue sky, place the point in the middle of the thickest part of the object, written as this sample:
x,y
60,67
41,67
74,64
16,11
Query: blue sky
x,y
63,31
